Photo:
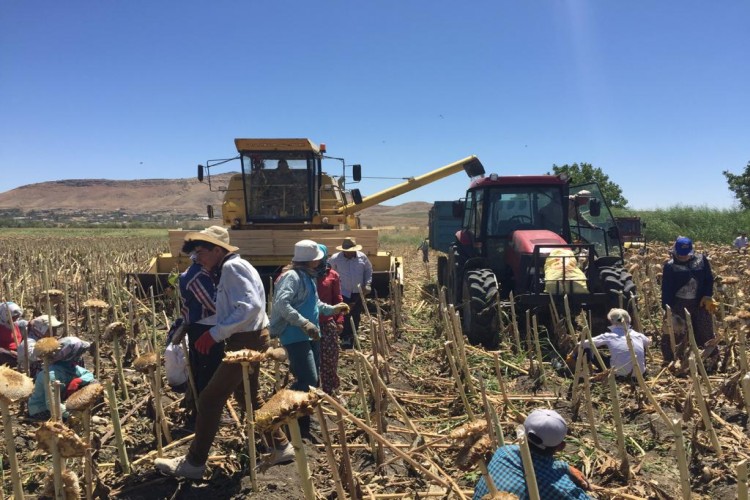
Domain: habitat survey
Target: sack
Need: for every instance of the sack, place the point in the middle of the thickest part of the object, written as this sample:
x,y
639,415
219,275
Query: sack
x,y
561,273
175,365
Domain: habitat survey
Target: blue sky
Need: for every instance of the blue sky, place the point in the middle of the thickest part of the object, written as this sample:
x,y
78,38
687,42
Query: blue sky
x,y
654,93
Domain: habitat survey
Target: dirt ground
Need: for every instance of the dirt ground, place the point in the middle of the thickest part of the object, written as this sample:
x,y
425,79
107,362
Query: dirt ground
x,y
420,379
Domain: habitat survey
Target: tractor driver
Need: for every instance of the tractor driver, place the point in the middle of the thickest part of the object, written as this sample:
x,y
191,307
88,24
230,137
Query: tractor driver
x,y
575,216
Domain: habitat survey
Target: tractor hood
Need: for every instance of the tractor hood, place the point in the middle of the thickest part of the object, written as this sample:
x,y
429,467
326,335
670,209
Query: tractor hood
x,y
524,241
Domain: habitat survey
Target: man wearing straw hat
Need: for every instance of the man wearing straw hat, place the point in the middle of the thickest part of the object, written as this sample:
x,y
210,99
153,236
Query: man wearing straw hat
x,y
546,431
354,270
242,323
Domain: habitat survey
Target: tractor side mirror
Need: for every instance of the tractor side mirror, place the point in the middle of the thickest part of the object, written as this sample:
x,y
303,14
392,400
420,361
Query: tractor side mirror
x,y
595,207
458,209
356,196
210,211
357,172
200,173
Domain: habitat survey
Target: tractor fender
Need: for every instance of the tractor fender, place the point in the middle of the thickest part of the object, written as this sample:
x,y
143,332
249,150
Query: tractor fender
x,y
475,263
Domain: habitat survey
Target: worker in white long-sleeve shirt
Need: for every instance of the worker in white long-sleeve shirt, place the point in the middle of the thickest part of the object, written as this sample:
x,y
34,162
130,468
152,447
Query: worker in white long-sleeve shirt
x,y
354,270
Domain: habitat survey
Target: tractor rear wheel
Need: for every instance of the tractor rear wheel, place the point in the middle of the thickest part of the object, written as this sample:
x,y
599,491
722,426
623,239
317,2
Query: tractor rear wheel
x,y
613,279
480,321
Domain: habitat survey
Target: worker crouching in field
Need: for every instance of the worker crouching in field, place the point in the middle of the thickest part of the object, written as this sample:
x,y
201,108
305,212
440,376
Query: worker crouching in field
x,y
66,368
10,334
546,431
39,327
616,343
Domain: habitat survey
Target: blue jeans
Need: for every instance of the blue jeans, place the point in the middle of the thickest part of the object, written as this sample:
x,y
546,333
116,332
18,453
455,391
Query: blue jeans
x,y
304,363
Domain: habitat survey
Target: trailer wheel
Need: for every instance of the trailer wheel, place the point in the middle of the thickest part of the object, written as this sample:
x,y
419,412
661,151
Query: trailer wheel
x,y
480,321
442,266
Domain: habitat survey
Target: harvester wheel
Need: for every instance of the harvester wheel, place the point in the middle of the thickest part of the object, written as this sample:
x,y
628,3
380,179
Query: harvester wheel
x,y
480,319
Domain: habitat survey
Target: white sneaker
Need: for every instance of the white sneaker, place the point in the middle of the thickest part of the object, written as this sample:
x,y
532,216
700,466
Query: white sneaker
x,y
283,455
180,467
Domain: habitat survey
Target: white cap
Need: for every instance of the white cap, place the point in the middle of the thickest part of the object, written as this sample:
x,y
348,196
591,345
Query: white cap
x,y
548,428
307,251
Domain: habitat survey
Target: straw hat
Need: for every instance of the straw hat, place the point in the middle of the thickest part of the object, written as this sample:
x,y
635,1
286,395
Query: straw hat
x,y
217,235
349,245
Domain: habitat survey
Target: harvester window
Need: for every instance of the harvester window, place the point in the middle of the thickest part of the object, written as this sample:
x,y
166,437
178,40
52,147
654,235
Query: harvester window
x,y
281,189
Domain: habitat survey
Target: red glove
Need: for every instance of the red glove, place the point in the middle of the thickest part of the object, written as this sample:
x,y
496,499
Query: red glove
x,y
204,343
75,384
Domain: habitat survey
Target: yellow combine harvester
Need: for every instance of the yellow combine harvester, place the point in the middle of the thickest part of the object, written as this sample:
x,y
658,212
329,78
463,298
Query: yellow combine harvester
x,y
282,195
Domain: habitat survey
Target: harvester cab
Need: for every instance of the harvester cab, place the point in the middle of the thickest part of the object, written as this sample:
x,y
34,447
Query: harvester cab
x,y
537,238
282,195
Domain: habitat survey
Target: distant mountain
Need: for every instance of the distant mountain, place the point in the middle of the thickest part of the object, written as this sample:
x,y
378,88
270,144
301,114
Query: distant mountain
x,y
163,197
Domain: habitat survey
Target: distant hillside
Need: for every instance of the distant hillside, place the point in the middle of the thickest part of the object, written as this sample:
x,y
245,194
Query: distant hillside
x,y
148,196
162,197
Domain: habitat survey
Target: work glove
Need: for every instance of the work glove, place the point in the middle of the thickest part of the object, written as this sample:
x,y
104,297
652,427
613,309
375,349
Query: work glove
x,y
709,304
204,343
570,360
341,308
367,289
577,476
74,385
311,330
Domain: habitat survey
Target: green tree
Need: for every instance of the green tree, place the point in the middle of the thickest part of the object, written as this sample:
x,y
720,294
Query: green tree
x,y
740,186
585,172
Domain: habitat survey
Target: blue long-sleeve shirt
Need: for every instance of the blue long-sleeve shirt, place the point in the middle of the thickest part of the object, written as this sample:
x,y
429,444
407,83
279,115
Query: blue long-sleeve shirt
x,y
291,291
240,299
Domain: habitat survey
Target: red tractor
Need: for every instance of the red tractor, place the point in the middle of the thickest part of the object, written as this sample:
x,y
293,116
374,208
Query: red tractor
x,y
512,226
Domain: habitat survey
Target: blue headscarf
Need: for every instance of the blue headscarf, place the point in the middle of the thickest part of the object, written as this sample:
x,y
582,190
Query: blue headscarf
x,y
323,266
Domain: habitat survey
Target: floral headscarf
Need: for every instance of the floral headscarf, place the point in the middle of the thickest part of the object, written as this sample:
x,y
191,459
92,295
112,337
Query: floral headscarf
x,y
71,349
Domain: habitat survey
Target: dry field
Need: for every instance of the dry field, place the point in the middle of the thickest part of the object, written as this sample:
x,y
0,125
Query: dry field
x,y
403,396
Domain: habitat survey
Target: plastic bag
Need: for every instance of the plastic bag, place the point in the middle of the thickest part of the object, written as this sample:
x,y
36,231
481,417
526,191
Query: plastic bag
x,y
176,367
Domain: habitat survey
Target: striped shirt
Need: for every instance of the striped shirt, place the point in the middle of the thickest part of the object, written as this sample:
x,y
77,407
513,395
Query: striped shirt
x,y
198,295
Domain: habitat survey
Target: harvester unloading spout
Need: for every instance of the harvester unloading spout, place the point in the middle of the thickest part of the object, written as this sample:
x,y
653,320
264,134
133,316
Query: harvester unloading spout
x,y
471,165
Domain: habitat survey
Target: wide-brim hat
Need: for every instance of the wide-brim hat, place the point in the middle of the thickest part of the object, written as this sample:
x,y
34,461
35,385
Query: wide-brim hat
x,y
307,251
217,235
349,245
42,323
